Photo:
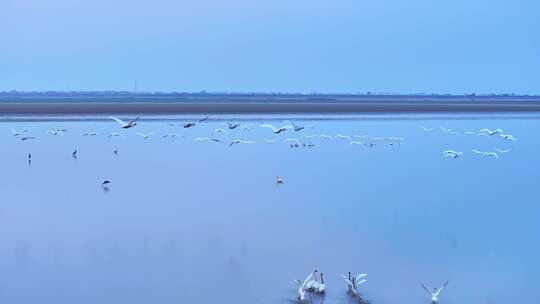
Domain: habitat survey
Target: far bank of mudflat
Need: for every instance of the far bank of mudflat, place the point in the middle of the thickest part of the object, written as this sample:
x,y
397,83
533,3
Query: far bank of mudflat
x,y
129,103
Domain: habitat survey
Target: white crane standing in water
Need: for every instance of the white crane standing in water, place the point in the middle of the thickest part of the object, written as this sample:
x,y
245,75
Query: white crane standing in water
x,y
435,292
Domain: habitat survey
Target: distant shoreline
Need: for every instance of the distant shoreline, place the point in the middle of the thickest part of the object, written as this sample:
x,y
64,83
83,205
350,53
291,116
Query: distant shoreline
x,y
166,104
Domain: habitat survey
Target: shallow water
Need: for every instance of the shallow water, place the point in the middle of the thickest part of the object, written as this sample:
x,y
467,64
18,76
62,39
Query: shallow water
x,y
202,222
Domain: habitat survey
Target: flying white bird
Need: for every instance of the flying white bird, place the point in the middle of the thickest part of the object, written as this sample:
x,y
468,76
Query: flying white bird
x,y
340,136
291,140
435,292
115,134
355,143
452,153
240,141
490,132
274,129
145,136
508,137
17,133
126,125
486,154
233,125
449,131
296,127
502,151
91,133
219,131
171,135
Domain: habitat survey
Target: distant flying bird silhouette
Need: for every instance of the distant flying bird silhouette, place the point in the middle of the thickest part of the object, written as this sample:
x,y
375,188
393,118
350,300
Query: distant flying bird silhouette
x,y
355,143
240,141
126,125
449,131
27,138
508,137
91,133
172,135
204,119
296,127
490,132
486,154
340,136
17,133
502,151
233,125
115,134
145,136
276,130
452,153
189,125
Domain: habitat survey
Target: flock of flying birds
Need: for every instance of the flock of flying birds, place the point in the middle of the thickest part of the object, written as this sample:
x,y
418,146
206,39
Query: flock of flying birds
x,y
216,137
312,285
497,133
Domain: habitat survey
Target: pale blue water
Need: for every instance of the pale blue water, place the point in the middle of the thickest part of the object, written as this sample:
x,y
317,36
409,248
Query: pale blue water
x,y
200,222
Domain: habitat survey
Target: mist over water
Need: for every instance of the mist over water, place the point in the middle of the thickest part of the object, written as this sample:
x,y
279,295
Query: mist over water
x,y
203,222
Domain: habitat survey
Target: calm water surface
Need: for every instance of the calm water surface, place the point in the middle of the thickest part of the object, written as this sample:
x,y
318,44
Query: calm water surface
x,y
201,222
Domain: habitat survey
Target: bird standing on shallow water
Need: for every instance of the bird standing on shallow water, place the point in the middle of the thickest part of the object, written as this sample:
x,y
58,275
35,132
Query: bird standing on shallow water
x,y
74,154
279,180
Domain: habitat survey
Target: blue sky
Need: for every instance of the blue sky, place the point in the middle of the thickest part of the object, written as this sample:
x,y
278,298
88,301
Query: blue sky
x,y
271,45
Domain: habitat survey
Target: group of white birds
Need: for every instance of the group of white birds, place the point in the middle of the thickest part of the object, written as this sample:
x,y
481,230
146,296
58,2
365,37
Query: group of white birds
x,y
483,132
312,285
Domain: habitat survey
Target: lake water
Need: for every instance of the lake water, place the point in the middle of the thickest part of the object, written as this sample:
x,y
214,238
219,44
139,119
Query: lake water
x,y
189,221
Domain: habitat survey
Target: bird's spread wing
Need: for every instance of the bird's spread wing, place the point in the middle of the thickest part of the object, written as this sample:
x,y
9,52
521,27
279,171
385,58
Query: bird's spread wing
x,y
268,126
119,121
440,289
309,278
427,289
361,282
360,276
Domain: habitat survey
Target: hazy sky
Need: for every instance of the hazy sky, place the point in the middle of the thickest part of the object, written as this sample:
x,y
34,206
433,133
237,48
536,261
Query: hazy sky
x,y
271,45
